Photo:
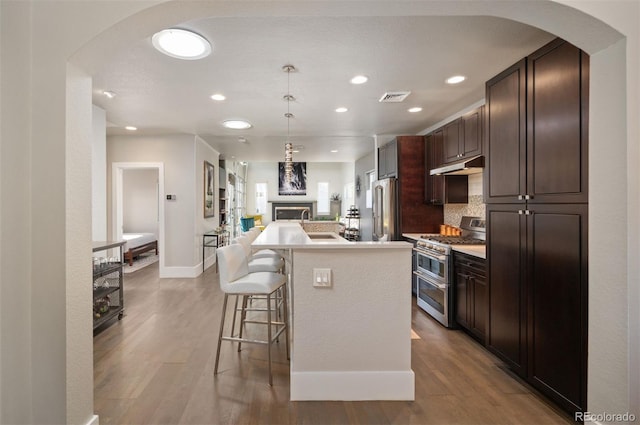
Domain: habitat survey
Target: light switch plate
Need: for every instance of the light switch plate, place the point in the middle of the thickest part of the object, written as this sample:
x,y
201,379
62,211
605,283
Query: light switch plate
x,y
322,278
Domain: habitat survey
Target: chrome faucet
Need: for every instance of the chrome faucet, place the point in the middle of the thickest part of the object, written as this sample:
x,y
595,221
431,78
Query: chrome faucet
x,y
302,215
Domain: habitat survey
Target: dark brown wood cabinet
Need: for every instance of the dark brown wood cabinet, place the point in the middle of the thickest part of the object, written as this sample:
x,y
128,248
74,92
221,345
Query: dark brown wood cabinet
x,y
538,296
416,216
471,126
439,189
536,128
451,141
537,201
505,154
471,294
557,124
462,137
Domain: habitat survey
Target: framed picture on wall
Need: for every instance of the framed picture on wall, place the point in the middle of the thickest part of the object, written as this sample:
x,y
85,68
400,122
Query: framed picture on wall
x,y
298,183
209,200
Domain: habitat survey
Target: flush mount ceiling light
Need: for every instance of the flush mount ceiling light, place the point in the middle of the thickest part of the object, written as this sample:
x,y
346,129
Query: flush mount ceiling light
x,y
341,109
236,124
181,44
415,109
334,151
456,79
218,97
242,140
131,128
109,94
359,79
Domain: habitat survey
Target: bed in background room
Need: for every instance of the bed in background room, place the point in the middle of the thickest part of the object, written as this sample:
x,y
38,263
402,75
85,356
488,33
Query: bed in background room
x,y
137,243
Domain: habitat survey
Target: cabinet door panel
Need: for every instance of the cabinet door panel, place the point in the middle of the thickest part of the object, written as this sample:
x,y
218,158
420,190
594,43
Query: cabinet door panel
x,y
462,307
505,113
479,312
472,133
557,260
507,296
557,139
452,141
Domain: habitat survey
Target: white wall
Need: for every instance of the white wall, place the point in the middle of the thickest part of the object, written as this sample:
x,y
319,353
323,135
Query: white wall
x,y
44,131
99,174
336,173
177,152
204,152
140,201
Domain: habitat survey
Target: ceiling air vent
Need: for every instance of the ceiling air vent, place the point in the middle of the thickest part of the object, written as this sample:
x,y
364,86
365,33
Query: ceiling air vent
x,y
394,96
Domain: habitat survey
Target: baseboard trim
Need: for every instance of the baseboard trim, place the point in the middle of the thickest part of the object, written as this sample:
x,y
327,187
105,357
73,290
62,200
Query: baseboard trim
x,y
177,272
95,420
353,386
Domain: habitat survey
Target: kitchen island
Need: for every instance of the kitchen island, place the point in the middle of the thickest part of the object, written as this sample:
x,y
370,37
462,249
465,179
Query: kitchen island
x,y
350,337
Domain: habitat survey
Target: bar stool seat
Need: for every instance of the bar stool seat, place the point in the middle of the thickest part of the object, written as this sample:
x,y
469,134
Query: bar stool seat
x,y
235,279
264,263
253,234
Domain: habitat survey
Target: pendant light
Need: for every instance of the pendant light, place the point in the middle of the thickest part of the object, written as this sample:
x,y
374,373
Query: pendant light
x,y
288,146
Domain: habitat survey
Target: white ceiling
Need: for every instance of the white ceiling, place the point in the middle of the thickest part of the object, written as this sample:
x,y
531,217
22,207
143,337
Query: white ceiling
x,y
162,95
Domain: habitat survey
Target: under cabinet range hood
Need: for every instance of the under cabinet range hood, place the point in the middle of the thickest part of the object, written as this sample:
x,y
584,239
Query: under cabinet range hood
x,y
472,165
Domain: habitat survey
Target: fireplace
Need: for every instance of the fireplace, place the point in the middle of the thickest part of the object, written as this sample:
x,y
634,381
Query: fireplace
x,y
291,210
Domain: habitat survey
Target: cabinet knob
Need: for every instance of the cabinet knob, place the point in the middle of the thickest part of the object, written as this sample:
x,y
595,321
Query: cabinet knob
x,y
520,212
520,197
527,197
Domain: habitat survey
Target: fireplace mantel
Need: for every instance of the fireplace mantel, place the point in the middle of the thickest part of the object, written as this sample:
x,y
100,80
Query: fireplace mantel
x,y
293,214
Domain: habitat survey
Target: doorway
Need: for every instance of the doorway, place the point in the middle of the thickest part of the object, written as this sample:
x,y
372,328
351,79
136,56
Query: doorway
x,y
118,171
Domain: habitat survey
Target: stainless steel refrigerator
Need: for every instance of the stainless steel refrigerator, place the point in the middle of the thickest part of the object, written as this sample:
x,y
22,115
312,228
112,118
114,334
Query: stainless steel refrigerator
x,y
385,210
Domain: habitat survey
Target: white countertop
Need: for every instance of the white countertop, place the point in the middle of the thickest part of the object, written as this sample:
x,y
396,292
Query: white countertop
x,y
287,234
475,250
414,236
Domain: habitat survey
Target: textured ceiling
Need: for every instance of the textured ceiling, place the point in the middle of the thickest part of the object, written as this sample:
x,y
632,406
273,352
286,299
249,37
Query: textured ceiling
x,y
163,95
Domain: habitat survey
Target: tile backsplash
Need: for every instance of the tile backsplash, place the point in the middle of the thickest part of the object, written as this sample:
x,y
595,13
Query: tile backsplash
x,y
476,208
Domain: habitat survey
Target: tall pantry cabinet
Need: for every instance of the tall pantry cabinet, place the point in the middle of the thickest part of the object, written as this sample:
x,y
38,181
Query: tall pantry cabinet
x,y
537,200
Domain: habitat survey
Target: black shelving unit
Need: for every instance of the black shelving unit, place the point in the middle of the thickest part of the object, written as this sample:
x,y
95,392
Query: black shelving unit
x,y
352,224
108,278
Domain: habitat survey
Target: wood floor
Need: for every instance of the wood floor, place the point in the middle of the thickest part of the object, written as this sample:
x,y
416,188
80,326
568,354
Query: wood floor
x,y
155,366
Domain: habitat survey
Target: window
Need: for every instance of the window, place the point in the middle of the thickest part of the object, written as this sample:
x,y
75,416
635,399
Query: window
x,y
261,198
323,198
349,197
371,177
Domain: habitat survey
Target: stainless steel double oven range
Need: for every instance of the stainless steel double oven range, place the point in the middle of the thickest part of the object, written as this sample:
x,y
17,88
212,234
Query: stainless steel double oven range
x,y
433,268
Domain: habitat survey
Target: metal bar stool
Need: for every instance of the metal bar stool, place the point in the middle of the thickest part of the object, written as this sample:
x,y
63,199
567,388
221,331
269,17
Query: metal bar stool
x,y
235,279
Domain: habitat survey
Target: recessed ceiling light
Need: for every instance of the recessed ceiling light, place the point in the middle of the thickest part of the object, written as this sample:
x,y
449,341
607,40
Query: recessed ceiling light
x,y
341,109
236,124
242,140
456,79
218,96
131,128
181,44
359,79
415,109
334,151
109,94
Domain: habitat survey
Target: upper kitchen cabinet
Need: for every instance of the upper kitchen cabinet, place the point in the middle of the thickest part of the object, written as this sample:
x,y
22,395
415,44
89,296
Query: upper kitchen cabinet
x,y
463,137
536,128
557,124
505,155
440,189
388,160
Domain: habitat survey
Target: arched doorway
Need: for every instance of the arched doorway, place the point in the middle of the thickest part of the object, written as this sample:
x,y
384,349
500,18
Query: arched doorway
x,y
563,21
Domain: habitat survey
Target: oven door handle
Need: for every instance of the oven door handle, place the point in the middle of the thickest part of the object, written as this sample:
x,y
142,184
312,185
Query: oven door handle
x,y
430,282
426,254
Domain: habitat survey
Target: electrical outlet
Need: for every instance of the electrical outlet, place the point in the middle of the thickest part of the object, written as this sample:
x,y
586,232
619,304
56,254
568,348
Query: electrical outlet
x,y
322,278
